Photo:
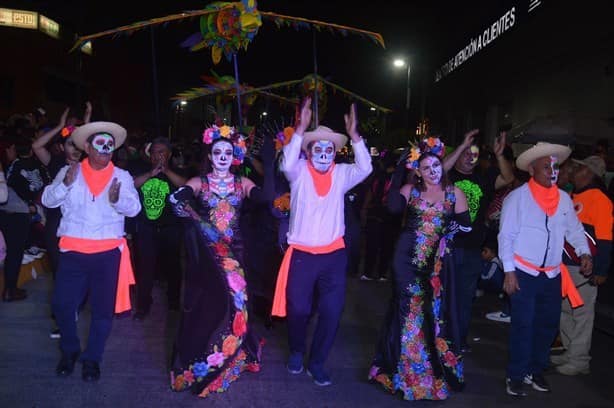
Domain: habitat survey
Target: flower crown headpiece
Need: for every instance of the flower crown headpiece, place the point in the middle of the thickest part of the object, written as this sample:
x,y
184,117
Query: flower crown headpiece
x,y
428,145
67,131
283,137
229,133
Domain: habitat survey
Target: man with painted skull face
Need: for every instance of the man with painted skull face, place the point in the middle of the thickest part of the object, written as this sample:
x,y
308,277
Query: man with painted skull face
x,y
95,197
316,259
536,219
158,231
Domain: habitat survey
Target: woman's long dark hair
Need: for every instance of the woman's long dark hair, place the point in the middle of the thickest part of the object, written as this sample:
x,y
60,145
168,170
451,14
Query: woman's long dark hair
x,y
419,182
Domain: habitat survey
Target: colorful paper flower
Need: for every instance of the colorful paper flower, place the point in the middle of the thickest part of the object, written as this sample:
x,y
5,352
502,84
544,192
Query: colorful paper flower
x,y
229,346
215,359
239,325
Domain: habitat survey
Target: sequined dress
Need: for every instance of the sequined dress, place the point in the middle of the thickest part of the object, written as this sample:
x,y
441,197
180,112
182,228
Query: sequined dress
x,y
418,350
214,343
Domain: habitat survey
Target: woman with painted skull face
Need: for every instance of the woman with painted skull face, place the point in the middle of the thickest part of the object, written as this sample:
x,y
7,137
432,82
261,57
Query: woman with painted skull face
x,y
214,342
418,351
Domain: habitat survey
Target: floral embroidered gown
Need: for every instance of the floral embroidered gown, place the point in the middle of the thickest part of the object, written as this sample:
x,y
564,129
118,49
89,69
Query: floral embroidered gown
x,y
418,352
214,343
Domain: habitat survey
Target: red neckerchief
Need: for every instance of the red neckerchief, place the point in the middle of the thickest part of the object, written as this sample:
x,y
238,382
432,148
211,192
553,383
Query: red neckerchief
x,y
321,181
546,198
96,180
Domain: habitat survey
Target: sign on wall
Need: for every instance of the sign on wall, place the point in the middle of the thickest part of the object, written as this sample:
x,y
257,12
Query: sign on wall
x,y
49,27
18,18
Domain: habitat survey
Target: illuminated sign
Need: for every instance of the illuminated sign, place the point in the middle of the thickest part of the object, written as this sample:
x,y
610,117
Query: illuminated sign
x,y
478,43
18,18
49,27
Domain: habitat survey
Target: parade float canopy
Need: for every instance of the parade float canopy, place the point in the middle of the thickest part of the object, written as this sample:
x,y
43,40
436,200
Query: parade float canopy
x,y
227,27
216,85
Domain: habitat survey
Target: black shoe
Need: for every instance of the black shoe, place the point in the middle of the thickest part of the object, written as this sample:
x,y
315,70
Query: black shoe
x,y
538,382
67,364
90,371
15,294
514,388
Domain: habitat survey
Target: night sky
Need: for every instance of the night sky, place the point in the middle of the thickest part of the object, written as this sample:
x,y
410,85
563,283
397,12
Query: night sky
x,y
428,32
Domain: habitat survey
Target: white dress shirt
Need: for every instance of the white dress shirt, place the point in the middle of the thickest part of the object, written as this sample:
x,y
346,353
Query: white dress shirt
x,y
86,216
314,220
528,232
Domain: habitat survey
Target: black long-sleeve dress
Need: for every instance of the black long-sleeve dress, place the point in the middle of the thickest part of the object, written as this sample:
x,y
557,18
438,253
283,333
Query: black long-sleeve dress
x,y
418,352
214,343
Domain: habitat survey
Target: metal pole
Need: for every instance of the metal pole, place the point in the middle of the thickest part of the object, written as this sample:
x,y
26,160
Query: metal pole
x,y
408,94
154,73
316,118
238,88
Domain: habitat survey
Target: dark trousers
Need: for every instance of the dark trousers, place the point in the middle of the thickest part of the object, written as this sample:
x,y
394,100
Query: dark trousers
x,y
382,234
51,238
15,227
536,310
325,274
468,266
157,247
80,274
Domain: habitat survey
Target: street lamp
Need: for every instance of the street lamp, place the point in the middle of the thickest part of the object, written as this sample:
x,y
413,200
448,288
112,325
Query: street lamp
x,y
401,63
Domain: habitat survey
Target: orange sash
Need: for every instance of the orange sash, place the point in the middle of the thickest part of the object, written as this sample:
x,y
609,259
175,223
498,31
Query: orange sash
x,y
568,288
321,181
94,246
546,198
279,300
96,180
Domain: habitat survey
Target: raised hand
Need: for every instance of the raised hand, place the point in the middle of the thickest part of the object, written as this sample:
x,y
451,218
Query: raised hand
x,y
499,144
305,117
114,191
351,123
71,174
469,137
64,117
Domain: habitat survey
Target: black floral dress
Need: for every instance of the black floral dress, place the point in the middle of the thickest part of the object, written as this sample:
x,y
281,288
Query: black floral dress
x,y
214,343
418,353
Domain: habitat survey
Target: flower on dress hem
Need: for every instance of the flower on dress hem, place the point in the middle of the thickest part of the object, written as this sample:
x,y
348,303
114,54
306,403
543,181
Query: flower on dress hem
x,y
236,282
229,346
215,359
239,324
200,369
239,300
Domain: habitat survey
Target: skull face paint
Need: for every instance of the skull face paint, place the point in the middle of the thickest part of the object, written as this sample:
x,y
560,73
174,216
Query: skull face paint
x,y
221,156
154,197
475,154
554,165
431,170
322,155
103,143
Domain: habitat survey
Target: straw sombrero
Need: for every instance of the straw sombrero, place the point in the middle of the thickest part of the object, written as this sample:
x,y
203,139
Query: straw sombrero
x,y
542,149
324,133
79,135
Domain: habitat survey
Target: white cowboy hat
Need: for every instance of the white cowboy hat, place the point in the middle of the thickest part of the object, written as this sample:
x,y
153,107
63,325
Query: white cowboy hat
x,y
324,133
79,135
542,149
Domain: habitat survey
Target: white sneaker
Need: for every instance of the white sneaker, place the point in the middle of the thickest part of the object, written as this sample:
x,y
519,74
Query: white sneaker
x,y
568,369
365,278
479,293
27,258
499,317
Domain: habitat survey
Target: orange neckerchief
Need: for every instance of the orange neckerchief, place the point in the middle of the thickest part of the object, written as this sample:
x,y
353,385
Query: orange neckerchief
x,y
96,180
279,300
94,246
568,288
321,181
546,198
